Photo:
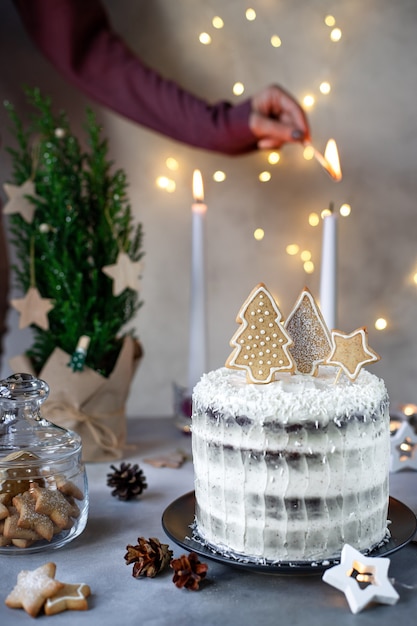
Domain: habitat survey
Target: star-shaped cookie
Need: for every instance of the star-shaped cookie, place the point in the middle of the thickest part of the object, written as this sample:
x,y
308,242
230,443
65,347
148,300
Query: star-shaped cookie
x,y
355,569
18,202
351,352
30,518
403,448
33,588
72,597
125,273
33,309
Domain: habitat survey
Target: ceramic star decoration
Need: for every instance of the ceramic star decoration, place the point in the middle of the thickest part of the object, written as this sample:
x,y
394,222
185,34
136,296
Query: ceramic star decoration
x,y
351,352
403,448
33,309
125,273
355,570
18,201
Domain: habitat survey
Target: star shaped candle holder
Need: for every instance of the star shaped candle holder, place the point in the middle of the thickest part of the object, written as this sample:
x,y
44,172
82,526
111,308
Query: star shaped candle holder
x,y
403,444
362,579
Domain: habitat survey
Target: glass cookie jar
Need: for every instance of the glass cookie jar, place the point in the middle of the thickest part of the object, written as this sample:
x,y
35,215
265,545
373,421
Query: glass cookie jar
x,y
43,483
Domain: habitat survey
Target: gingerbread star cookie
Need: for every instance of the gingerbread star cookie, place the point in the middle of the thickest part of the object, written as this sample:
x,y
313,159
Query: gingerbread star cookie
x,y
311,338
33,588
174,460
261,343
55,505
30,518
72,597
351,352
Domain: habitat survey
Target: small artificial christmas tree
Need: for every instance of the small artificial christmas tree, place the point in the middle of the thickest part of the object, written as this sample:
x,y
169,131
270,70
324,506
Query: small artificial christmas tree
x,y
78,250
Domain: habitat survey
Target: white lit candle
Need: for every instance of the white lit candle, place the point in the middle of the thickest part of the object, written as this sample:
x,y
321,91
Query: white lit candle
x,y
328,276
197,346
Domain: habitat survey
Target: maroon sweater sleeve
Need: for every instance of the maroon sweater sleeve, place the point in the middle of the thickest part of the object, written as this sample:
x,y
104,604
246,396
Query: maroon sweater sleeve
x,y
76,36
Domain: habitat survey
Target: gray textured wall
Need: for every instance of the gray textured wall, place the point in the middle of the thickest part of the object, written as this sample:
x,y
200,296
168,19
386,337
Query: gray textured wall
x,y
371,113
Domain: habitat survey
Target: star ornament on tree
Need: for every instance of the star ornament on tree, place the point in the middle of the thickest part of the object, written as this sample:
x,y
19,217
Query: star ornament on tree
x,y
18,201
33,309
403,449
351,352
362,579
125,273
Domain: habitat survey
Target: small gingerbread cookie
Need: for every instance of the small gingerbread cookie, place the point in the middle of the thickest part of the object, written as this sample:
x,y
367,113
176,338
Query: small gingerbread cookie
x,y
12,530
72,597
351,352
52,503
68,488
311,338
261,343
33,588
24,468
30,518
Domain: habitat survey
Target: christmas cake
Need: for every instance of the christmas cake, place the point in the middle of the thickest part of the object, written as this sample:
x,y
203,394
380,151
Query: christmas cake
x,y
293,468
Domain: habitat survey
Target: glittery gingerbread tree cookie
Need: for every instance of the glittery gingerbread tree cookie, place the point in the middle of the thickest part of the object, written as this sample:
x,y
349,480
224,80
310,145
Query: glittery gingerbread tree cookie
x,y
309,333
261,342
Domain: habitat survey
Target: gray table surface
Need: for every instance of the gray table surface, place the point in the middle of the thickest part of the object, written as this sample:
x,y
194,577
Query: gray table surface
x,y
229,595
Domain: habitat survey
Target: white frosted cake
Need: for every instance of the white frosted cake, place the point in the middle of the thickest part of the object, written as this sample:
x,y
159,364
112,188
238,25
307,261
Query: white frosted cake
x,y
293,469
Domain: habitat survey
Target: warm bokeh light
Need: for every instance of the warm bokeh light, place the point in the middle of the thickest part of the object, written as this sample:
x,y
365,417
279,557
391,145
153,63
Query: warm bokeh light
x,y
238,89
345,210
259,234
204,38
336,34
219,176
308,153
274,158
314,219
409,409
165,183
264,177
305,255
276,41
308,267
329,20
309,100
325,213
381,323
172,164
250,15
217,22
415,278
325,88
292,249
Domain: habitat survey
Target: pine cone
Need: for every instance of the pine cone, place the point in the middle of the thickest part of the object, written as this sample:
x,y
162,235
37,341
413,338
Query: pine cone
x,y
149,557
189,572
128,481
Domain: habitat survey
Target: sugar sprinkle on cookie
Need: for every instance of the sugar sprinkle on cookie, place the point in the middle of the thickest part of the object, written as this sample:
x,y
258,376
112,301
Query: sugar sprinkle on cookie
x,y
33,588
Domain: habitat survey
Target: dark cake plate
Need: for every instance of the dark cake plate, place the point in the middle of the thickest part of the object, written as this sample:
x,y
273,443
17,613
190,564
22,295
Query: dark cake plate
x,y
178,519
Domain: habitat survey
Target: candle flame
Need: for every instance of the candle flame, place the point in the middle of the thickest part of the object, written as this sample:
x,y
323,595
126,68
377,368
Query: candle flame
x,y
331,156
198,189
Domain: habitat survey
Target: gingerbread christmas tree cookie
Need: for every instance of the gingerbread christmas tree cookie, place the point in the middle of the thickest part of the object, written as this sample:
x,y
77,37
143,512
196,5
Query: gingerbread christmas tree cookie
x,y
261,342
309,333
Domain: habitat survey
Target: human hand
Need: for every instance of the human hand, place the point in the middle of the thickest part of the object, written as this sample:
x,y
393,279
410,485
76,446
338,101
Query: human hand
x,y
277,118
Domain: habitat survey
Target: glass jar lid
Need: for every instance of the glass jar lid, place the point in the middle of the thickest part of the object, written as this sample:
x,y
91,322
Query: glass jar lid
x,y
22,427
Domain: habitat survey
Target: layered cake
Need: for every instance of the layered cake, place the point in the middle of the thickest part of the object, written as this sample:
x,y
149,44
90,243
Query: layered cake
x,y
293,469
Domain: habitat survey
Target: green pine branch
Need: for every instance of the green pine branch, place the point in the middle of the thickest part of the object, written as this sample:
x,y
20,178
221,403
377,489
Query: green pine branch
x,y
82,220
